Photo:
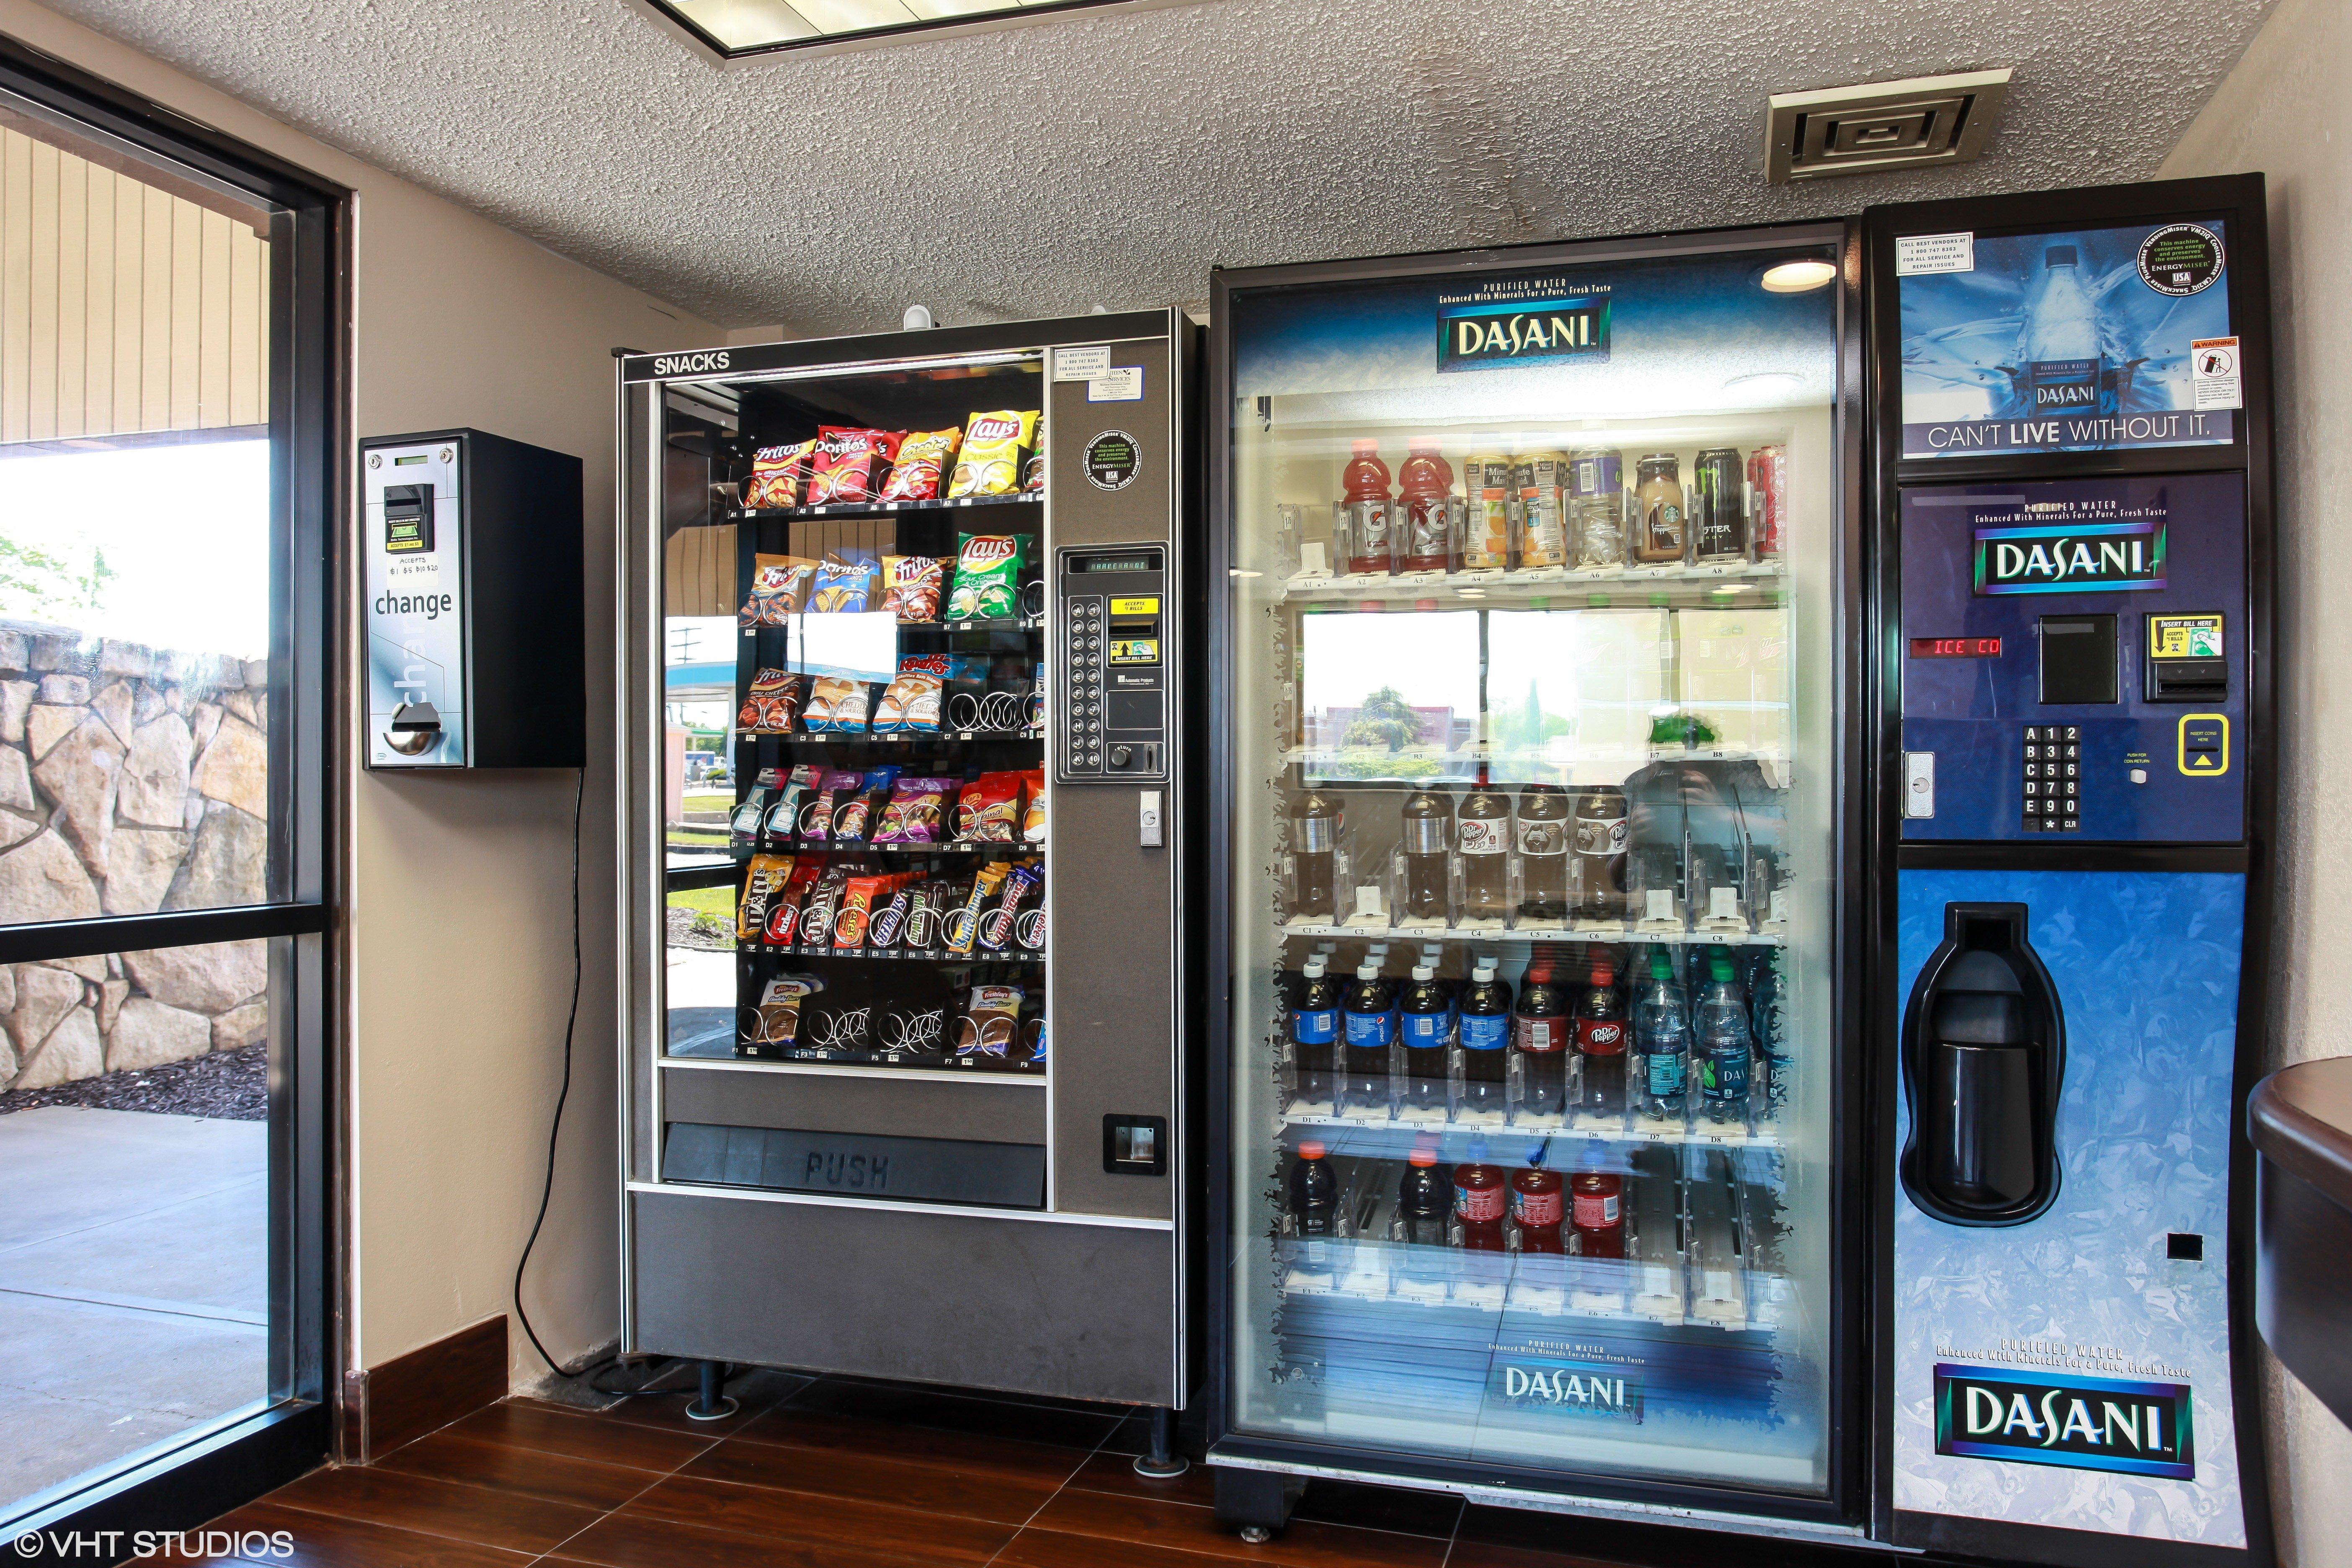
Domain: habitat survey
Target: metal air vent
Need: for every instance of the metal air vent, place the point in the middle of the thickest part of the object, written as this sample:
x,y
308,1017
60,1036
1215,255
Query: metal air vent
x,y
1882,125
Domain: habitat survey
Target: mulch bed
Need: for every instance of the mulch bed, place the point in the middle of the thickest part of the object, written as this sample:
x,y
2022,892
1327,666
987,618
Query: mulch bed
x,y
227,1085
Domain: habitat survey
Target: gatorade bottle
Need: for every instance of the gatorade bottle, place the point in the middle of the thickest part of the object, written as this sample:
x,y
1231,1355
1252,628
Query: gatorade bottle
x,y
1314,1037
1427,1020
1539,1028
1424,540
1367,1022
1724,1061
1314,1201
1484,1025
1535,1205
1364,508
1662,1036
1600,1044
1480,1194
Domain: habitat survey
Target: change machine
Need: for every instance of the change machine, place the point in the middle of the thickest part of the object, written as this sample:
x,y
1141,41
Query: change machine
x,y
2073,460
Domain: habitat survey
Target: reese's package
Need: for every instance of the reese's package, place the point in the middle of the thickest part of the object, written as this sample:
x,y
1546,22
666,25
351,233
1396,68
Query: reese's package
x,y
922,461
858,897
988,576
843,587
762,879
849,464
992,445
780,590
778,475
911,586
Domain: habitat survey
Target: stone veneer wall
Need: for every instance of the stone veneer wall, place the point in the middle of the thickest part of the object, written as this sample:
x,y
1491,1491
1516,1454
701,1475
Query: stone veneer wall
x,y
132,780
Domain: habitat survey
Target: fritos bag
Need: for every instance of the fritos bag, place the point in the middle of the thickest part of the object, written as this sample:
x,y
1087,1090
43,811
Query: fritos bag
x,y
923,459
780,590
777,475
988,576
911,586
988,810
843,587
774,702
850,464
992,445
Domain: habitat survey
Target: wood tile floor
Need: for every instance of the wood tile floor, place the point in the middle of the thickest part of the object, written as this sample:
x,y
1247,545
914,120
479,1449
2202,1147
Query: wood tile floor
x,y
839,1473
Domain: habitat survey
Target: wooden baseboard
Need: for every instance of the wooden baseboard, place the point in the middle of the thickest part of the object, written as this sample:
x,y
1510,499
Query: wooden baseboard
x,y
407,1396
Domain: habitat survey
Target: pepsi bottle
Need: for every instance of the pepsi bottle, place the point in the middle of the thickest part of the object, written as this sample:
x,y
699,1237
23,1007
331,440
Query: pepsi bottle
x,y
1367,1023
1315,1037
1483,1021
1426,1019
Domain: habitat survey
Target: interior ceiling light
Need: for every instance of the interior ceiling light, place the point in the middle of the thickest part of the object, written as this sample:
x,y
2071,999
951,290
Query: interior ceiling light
x,y
735,28
1882,125
1797,277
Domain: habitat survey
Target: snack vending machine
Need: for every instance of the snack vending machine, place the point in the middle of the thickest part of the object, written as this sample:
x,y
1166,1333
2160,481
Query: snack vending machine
x,y
2072,473
902,745
1742,803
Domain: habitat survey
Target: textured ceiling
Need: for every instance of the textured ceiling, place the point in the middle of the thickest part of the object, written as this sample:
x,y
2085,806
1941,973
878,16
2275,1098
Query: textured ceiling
x,y
1114,157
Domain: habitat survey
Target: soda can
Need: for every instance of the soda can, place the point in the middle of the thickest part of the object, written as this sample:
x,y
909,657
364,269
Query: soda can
x,y
1597,506
1486,531
1767,485
1719,505
1541,479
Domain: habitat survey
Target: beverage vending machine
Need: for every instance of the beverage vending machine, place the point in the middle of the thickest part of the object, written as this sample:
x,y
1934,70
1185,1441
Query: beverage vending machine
x,y
1624,1111
902,749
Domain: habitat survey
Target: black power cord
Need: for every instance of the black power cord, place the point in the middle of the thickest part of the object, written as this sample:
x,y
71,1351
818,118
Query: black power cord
x,y
555,1125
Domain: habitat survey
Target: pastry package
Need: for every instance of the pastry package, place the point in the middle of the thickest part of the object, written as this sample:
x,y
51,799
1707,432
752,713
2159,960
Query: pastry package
x,y
861,809
910,703
780,590
784,909
773,704
779,474
993,445
990,1018
911,586
762,879
836,705
988,810
843,587
849,464
774,1024
988,576
915,812
922,463
962,928
1032,821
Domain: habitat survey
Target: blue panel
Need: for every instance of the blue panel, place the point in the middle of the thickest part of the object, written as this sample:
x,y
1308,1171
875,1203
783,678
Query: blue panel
x,y
1973,712
2147,967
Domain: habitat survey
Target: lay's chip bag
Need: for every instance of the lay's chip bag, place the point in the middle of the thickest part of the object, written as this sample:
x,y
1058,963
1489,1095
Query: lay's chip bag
x,y
992,445
987,576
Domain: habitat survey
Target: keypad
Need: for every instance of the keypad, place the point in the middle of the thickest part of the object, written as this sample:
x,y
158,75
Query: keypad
x,y
1082,710
2053,778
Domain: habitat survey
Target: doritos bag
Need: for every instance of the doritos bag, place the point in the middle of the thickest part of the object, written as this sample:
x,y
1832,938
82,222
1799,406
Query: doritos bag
x,y
992,445
850,464
923,458
843,587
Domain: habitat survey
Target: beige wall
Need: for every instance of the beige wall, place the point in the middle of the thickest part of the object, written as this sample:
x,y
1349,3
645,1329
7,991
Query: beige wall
x,y
2277,114
459,889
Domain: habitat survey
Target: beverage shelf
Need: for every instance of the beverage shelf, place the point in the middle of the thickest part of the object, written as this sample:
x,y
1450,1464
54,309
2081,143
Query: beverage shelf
x,y
1526,582
1638,1131
887,507
1475,935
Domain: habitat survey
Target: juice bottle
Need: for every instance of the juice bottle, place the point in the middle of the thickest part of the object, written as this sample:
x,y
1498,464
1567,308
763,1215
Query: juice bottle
x,y
1364,512
1424,538
1487,528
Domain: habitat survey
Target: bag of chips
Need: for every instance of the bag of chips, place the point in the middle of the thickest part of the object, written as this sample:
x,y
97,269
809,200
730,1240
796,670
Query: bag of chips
x,y
784,910
992,445
774,1024
923,459
762,880
777,475
988,576
988,810
962,931
843,587
986,1028
850,464
913,815
1032,821
780,590
910,586
909,703
774,702
1033,477
836,705
855,812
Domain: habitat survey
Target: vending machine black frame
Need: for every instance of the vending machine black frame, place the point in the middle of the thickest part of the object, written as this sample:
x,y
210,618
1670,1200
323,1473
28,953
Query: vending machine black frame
x,y
1846,1509
2241,202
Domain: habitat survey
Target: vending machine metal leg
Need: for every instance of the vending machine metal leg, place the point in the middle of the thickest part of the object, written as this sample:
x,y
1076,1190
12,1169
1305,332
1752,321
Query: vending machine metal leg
x,y
711,1402
1256,1502
1163,1460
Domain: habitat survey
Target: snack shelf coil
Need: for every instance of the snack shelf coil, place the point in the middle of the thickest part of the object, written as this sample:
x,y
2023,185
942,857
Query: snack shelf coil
x,y
885,507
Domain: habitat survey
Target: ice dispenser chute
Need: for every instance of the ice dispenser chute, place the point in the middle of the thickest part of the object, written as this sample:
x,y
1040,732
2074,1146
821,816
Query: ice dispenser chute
x,y
1984,1055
